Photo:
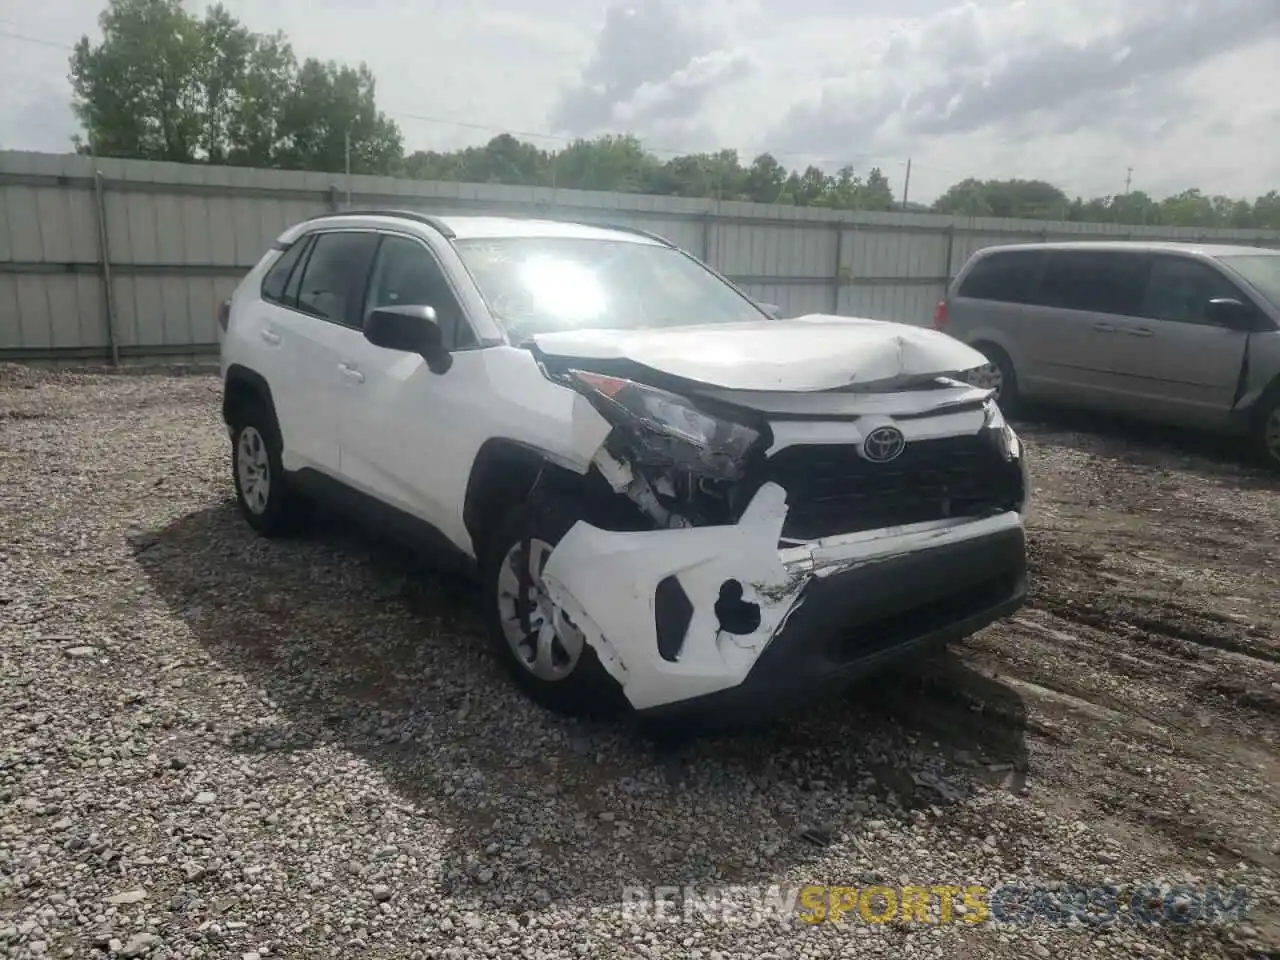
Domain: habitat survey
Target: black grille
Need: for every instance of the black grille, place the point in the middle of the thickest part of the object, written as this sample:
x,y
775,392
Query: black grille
x,y
831,489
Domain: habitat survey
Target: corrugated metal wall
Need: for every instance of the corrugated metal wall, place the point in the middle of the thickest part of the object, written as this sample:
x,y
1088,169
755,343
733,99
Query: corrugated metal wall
x,y
179,238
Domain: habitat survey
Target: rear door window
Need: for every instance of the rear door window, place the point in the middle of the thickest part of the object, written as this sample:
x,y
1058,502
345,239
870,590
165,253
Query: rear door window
x,y
1095,281
1003,277
335,276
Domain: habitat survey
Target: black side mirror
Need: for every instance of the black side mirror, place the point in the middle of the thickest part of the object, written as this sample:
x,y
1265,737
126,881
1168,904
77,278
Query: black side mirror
x,y
1231,313
410,329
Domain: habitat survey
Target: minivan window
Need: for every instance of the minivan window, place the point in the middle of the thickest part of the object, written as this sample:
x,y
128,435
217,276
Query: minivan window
x,y
1003,277
1181,288
333,280
1097,281
1262,270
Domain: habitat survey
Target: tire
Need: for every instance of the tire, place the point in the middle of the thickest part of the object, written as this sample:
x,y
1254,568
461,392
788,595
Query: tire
x,y
1002,367
273,510
1266,431
571,680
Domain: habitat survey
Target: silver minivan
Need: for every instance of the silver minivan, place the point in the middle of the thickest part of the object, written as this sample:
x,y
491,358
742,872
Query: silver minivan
x,y
1187,334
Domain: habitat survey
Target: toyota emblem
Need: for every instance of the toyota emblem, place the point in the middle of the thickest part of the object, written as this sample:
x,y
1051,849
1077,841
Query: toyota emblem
x,y
883,444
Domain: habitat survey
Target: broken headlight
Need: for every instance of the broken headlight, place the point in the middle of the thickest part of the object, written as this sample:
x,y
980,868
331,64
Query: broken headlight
x,y
666,428
1007,441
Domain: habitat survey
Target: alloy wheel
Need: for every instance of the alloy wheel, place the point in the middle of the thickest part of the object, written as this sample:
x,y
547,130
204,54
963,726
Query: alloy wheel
x,y
253,469
550,648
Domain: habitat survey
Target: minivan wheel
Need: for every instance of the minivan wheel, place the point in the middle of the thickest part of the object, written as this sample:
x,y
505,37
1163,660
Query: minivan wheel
x,y
996,374
266,500
544,651
1267,431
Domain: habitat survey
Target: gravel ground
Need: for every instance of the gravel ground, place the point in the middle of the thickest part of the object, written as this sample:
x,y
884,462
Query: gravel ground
x,y
216,746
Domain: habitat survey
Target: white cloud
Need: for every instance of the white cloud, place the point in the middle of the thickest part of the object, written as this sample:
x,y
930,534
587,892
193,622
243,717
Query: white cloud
x,y
1075,92
1187,92
655,65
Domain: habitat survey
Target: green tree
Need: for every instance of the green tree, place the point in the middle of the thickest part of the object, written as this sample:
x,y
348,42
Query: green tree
x,y
254,133
966,198
325,105
617,163
877,194
139,93
1266,211
224,58
764,179
1031,199
1191,208
165,85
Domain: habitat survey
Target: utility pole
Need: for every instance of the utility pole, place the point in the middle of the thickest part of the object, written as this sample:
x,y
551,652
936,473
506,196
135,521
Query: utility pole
x,y
1128,181
347,151
906,185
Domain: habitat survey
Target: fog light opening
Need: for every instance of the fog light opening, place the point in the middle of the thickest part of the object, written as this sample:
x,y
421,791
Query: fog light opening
x,y
734,614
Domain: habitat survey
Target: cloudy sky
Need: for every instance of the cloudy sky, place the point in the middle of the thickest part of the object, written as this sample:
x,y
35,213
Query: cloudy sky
x,y
1186,92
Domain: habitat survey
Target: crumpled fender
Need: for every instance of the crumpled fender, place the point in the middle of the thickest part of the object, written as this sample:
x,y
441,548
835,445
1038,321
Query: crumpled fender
x,y
606,582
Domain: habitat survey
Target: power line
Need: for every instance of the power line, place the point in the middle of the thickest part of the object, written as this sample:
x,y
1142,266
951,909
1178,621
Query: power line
x,y
8,34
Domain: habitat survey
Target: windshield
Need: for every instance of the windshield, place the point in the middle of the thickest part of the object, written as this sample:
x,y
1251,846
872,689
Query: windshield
x,y
538,285
1262,270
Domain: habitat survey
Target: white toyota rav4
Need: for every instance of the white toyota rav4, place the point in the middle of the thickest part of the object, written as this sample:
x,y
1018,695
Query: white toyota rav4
x,y
672,498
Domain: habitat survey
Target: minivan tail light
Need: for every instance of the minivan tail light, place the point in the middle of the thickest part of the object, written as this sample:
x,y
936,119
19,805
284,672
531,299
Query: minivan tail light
x,y
224,314
940,315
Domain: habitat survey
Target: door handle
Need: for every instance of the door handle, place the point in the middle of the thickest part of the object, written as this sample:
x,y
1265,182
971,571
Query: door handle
x,y
271,337
351,373
1140,332
1104,328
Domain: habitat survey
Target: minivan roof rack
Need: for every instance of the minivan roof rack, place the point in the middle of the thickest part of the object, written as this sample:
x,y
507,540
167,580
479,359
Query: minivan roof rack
x,y
627,228
416,215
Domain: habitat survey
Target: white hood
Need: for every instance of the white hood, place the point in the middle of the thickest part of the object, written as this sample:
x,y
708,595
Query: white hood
x,y
814,352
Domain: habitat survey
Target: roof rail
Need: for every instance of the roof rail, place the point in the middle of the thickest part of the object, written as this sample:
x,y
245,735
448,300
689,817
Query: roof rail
x,y
626,228
431,221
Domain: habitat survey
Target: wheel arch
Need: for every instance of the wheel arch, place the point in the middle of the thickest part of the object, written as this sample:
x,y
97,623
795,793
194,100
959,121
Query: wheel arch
x,y
1254,405
504,473
241,387
985,339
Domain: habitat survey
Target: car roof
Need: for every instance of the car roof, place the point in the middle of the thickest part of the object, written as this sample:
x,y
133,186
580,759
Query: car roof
x,y
1140,246
485,228
462,227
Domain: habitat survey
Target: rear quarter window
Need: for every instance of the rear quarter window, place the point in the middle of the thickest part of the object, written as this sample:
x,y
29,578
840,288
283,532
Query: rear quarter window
x,y
273,284
1005,277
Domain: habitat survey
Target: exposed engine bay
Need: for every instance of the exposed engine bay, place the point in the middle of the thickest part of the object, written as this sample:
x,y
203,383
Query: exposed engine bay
x,y
694,458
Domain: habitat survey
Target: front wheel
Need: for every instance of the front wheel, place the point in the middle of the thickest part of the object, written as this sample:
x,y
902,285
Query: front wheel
x,y
544,650
997,375
1266,432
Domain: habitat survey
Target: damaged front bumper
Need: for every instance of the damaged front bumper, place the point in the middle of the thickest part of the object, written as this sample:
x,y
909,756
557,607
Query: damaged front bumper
x,y
717,615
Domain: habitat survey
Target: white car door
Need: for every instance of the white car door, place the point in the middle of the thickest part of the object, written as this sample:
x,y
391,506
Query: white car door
x,y
409,435
318,318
